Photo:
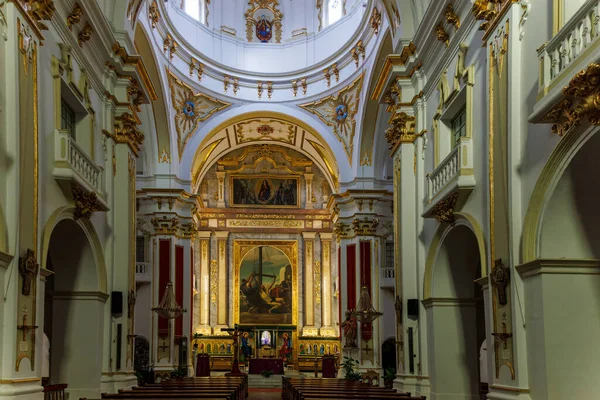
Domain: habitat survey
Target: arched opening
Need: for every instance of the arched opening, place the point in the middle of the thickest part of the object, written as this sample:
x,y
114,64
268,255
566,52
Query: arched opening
x,y
566,262
388,351
455,317
74,311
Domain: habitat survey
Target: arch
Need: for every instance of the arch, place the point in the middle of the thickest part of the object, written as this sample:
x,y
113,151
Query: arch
x,y
549,178
462,219
67,213
193,157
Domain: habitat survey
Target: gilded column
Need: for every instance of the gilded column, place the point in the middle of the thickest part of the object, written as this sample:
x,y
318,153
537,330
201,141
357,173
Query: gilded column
x,y
309,303
221,189
309,194
223,279
204,284
326,315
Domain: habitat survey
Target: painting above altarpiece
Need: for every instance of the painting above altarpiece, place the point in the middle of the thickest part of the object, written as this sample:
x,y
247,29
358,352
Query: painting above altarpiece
x,y
272,191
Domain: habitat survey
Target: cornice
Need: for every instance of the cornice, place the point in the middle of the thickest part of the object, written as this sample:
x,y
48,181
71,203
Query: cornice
x,y
559,267
5,259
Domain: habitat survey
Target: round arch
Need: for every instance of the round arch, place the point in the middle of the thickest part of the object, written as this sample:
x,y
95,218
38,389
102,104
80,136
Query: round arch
x,y
67,213
559,160
462,219
202,137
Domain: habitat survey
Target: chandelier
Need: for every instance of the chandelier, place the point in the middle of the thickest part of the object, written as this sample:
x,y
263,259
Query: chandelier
x,y
365,312
168,307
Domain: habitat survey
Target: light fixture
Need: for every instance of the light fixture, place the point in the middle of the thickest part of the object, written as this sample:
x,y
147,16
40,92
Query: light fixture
x,y
168,307
365,312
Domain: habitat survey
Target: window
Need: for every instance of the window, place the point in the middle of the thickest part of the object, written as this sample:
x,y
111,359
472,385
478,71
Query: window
x,y
195,9
67,118
334,11
140,249
459,127
389,255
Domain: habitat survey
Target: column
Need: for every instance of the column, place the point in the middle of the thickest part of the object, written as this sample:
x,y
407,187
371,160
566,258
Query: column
x,y
309,328
203,246
327,328
221,190
309,194
223,280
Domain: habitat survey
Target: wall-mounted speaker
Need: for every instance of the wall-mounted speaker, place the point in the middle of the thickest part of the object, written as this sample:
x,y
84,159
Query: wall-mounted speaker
x,y
116,303
412,308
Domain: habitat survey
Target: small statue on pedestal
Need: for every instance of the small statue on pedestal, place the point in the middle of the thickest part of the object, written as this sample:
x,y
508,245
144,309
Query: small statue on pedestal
x,y
350,327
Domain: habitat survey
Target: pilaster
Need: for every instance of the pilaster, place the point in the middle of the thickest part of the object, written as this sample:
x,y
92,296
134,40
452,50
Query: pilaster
x,y
309,328
202,255
222,280
327,328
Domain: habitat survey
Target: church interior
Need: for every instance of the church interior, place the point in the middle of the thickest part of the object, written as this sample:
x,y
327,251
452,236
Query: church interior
x,y
299,199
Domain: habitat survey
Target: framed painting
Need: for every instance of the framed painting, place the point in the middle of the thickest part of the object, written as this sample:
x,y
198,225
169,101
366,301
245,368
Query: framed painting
x,y
271,191
266,274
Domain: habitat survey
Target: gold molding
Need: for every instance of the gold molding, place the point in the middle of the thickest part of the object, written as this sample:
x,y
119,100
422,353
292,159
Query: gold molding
x,y
391,61
18,381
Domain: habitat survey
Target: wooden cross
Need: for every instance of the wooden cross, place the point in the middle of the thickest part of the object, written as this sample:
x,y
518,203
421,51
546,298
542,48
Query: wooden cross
x,y
503,336
164,346
500,279
26,328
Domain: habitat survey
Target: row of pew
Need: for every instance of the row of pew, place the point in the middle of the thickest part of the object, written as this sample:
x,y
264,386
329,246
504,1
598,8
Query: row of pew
x,y
209,388
320,389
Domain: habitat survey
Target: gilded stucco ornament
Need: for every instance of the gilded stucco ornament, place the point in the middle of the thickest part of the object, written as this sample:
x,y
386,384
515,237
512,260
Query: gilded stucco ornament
x,y
441,34
40,10
165,225
85,202
339,112
402,129
126,132
75,16
170,46
263,19
341,231
85,34
375,20
490,11
444,210
451,16
581,100
365,226
190,109
153,14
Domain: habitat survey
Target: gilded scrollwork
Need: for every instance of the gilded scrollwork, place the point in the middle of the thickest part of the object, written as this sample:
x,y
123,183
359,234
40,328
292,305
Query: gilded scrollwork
x,y
85,34
126,131
365,226
451,16
85,202
402,129
75,16
444,210
165,225
375,20
441,34
581,100
153,14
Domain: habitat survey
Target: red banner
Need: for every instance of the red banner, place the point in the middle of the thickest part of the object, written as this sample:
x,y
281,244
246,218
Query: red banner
x,y
351,274
164,273
365,280
179,287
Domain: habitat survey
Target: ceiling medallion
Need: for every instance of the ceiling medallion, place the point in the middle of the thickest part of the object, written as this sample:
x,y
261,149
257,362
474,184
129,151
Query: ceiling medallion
x,y
265,130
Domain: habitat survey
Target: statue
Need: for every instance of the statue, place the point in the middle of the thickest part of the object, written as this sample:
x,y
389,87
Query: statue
x,y
350,327
28,267
285,349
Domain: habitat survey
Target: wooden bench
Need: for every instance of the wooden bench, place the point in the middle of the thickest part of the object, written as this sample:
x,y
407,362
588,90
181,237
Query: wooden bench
x,y
313,389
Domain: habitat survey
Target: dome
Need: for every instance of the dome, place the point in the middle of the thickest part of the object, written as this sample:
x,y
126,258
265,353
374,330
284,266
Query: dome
x,y
267,36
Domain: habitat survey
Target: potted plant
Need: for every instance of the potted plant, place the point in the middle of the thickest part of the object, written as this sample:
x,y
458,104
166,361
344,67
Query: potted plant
x,y
179,372
348,366
266,373
388,377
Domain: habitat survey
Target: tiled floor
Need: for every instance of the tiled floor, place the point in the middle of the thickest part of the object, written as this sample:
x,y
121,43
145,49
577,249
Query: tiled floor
x,y
264,394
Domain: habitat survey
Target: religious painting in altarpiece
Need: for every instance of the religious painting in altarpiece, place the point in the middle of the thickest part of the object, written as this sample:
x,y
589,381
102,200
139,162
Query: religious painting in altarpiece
x,y
265,273
265,191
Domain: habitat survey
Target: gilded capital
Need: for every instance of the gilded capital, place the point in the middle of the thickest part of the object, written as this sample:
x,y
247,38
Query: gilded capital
x,y
126,132
402,129
85,202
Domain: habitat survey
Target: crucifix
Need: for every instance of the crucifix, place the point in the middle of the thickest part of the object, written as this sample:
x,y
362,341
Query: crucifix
x,y
24,327
500,279
28,267
503,336
235,365
164,346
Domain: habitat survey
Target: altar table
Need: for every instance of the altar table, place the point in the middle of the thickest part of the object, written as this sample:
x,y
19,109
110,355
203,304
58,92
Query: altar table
x,y
257,365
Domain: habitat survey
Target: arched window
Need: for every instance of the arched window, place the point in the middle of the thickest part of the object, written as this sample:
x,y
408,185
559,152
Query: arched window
x,y
335,10
195,9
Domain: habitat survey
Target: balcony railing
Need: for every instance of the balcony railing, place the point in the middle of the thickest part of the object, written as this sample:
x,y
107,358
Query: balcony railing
x,y
55,392
457,164
388,273
143,272
71,163
387,277
578,34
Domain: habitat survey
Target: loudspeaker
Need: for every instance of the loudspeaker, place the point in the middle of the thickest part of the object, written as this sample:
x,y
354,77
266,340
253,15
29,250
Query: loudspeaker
x,y
412,306
116,303
119,334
